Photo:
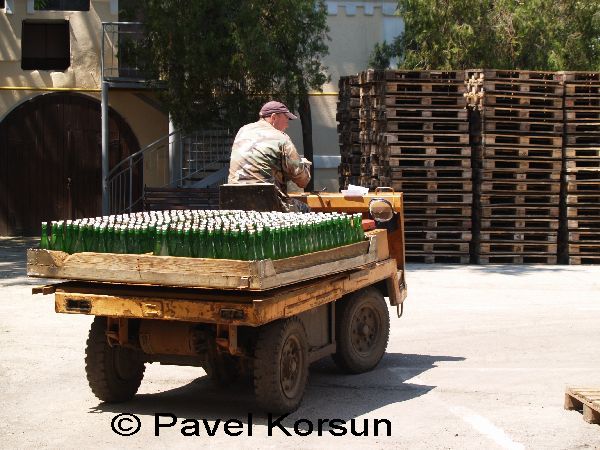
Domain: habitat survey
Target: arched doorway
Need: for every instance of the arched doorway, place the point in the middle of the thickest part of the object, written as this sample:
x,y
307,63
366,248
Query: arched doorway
x,y
51,160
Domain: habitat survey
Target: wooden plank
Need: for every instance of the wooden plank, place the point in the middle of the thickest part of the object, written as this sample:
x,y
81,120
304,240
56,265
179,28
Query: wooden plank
x,y
427,113
420,75
492,98
498,248
427,150
584,249
406,163
437,198
523,87
519,211
205,273
582,152
498,236
515,126
584,259
522,164
504,199
437,173
584,114
523,75
525,187
457,185
426,138
436,247
512,174
426,87
438,259
437,223
441,235
408,100
517,259
525,223
424,126
585,139
437,210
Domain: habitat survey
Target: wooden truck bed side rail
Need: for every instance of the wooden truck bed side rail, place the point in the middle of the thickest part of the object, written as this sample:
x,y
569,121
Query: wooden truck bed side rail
x,y
206,273
248,308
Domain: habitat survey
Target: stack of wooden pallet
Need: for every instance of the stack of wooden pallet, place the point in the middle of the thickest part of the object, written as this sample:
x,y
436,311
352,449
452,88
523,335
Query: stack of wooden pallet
x,y
426,135
582,163
521,166
348,109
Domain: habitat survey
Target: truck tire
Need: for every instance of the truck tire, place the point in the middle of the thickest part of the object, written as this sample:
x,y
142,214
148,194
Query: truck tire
x,y
281,366
114,373
362,328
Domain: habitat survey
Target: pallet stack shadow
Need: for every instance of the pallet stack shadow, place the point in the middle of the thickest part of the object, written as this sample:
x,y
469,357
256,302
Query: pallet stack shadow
x,y
348,110
521,166
582,165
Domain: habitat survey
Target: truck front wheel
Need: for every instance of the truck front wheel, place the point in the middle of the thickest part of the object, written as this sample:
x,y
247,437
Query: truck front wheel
x,y
362,330
114,373
281,366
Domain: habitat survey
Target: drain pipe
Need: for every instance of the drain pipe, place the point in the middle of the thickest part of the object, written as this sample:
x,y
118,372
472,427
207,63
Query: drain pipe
x,y
105,167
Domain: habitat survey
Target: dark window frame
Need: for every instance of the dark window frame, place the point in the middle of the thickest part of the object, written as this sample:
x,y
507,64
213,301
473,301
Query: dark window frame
x,y
46,45
62,5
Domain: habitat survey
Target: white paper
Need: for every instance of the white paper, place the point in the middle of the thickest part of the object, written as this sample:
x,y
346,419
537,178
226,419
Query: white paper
x,y
355,191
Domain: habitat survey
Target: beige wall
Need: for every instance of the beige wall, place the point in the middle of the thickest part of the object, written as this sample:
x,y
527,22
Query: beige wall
x,y
355,28
138,108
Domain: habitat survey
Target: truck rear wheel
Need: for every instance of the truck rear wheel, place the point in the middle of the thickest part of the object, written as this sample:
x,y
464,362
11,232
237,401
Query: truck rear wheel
x,y
362,330
114,373
281,366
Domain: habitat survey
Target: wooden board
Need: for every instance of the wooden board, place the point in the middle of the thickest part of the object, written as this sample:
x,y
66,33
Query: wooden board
x,y
205,273
585,399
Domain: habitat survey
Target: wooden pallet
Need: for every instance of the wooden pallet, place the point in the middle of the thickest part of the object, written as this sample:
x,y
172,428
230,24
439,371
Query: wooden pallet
x,y
582,139
520,175
427,113
436,247
437,173
547,225
584,259
519,236
426,126
492,98
433,163
519,211
437,259
523,140
584,175
585,236
585,399
583,115
437,210
583,199
517,259
583,212
205,273
438,235
522,127
503,113
522,164
578,223
581,76
429,88
405,75
522,87
498,248
518,200
584,249
436,151
437,198
582,89
522,75
457,185
582,103
525,187
427,138
437,223
582,152
583,127
400,100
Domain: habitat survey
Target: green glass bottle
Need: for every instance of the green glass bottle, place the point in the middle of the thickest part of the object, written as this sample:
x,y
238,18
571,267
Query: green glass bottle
x,y
102,233
59,244
44,242
235,243
268,249
260,243
186,248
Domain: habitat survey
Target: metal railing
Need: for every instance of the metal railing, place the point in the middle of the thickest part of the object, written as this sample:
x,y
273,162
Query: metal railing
x,y
204,160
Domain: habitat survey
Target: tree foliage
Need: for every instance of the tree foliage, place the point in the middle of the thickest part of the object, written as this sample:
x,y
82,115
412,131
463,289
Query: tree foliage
x,y
220,59
503,34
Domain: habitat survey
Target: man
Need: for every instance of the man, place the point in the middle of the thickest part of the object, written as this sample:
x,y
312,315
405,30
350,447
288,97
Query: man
x,y
263,153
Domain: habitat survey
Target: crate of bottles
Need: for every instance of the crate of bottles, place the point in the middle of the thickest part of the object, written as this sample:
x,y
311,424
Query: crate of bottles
x,y
211,249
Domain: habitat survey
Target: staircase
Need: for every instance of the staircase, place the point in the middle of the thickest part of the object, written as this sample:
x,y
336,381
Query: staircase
x,y
203,164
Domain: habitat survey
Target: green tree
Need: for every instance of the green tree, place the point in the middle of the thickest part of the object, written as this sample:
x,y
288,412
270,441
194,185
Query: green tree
x,y
503,34
220,59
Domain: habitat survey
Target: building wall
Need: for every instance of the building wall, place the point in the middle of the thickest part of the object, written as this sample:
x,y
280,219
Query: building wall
x,y
83,74
355,28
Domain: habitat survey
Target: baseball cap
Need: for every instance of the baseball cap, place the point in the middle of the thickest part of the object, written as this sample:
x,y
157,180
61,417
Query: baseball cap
x,y
274,107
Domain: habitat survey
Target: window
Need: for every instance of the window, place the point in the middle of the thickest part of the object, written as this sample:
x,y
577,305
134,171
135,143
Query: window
x,y
45,45
61,5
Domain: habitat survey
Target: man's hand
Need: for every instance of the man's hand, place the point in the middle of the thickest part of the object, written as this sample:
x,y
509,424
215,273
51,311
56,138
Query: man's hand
x,y
305,161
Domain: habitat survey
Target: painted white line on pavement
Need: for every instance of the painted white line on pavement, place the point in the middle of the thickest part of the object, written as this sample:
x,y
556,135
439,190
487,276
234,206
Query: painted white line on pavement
x,y
478,422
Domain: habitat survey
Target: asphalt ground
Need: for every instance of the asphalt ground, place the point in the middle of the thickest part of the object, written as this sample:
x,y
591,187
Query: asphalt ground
x,y
480,359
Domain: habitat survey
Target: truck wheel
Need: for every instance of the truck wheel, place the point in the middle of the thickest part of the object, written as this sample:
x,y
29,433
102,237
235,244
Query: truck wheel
x,y
281,366
362,328
114,373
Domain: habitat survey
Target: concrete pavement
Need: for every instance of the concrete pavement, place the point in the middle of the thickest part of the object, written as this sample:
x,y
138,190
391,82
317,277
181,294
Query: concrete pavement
x,y
480,359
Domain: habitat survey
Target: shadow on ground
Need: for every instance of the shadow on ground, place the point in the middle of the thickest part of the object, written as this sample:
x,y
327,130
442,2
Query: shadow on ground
x,y
330,394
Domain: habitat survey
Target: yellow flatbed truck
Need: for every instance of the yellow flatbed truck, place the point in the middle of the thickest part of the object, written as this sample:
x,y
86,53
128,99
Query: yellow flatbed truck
x,y
268,319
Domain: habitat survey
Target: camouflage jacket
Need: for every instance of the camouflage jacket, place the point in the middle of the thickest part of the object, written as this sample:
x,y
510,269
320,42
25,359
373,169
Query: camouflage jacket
x,y
263,154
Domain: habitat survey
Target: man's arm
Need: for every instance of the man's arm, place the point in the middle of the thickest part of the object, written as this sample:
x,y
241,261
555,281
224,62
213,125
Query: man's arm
x,y
295,168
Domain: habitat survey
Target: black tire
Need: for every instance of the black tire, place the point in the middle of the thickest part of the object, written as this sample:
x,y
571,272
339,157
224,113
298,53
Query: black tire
x,y
114,373
281,366
362,328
